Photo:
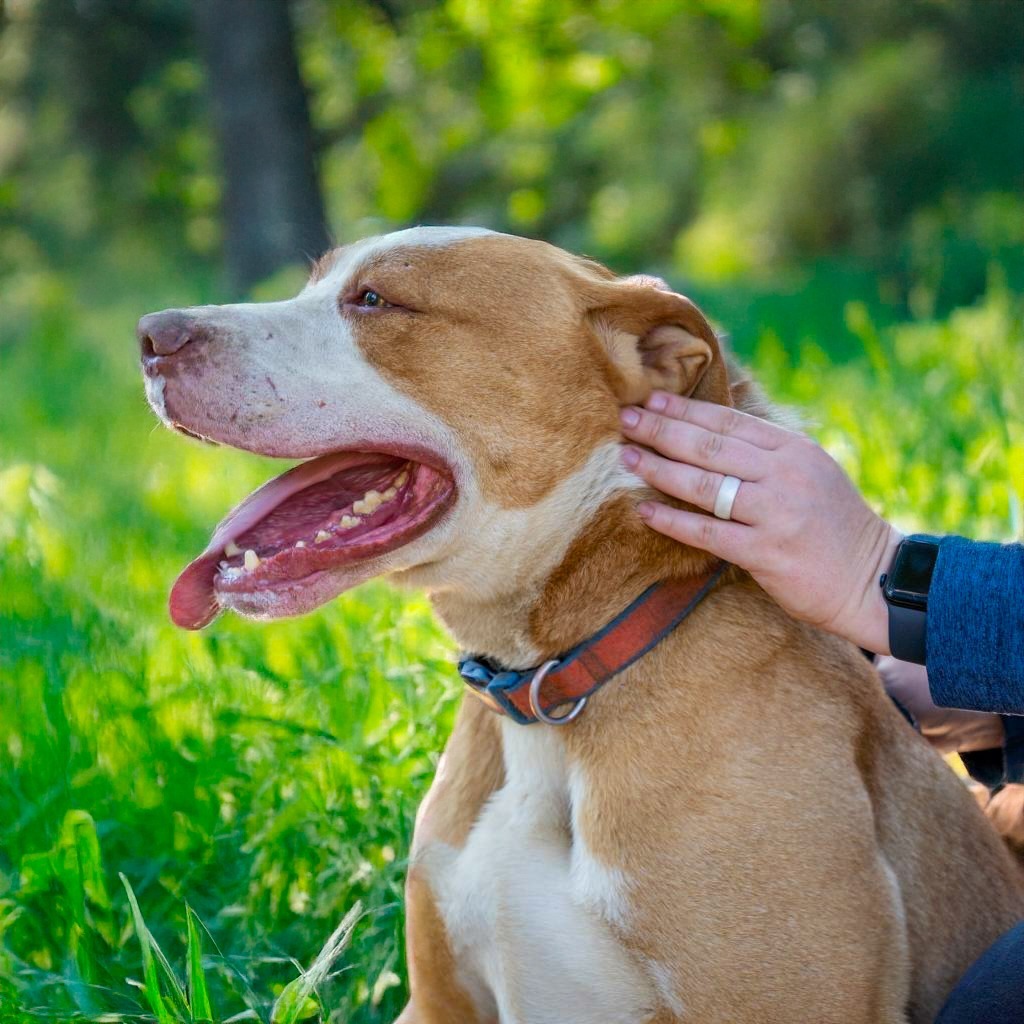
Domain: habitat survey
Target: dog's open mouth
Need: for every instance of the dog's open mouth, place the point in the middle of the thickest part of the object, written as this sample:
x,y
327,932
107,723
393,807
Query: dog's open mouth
x,y
283,550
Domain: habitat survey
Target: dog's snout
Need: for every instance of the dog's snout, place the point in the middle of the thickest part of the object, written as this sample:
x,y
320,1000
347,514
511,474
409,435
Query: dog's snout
x,y
163,334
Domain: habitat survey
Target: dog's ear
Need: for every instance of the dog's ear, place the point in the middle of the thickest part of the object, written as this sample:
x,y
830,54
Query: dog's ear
x,y
655,338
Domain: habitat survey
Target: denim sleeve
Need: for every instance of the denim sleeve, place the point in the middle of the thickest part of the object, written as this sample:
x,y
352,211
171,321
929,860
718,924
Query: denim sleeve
x,y
975,642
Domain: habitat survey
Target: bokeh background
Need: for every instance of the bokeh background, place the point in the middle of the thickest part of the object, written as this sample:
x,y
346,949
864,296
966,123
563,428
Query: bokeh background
x,y
837,182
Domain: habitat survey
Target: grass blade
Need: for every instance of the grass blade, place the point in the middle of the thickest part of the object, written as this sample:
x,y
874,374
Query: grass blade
x,y
198,994
149,972
176,995
291,1005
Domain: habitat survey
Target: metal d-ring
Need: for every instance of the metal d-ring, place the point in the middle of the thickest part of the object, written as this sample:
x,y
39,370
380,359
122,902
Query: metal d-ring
x,y
541,714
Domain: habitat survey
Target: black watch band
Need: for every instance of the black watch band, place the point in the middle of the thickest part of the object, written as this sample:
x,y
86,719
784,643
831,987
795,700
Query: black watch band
x,y
908,631
905,589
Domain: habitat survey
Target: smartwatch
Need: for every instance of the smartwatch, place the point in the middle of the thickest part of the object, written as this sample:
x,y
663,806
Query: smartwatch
x,y
905,589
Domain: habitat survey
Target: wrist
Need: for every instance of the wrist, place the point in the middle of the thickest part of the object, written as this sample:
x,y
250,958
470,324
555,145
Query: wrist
x,y
868,622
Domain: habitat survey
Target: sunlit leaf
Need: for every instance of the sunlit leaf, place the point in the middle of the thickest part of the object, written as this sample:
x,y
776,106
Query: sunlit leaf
x,y
296,1002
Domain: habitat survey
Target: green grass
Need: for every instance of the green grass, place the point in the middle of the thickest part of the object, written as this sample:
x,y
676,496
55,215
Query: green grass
x,y
251,785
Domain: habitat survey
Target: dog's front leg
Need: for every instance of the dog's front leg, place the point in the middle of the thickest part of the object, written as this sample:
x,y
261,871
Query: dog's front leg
x,y
438,995
469,772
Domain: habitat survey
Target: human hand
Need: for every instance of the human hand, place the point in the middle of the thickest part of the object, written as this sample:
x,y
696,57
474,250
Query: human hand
x,y
1005,809
798,525
952,731
949,730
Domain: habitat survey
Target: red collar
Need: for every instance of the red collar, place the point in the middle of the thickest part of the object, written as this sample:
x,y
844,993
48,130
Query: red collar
x,y
535,694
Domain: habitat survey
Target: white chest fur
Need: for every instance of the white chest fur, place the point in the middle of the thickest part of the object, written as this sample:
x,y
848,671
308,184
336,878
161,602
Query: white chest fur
x,y
529,912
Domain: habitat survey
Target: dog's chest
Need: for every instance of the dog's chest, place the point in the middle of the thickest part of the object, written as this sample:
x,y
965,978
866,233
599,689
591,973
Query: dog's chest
x,y
531,914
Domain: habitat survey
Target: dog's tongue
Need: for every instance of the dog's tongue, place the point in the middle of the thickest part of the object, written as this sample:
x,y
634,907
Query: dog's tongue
x,y
193,602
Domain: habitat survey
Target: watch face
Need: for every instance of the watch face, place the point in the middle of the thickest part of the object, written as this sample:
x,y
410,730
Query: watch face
x,y
911,575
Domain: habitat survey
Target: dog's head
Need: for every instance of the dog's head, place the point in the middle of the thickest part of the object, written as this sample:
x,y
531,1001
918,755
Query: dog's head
x,y
454,394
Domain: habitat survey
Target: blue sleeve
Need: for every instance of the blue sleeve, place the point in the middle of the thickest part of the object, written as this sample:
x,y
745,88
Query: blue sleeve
x,y
975,643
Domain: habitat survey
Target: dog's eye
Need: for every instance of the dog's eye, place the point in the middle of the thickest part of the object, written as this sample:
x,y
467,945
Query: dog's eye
x,y
371,298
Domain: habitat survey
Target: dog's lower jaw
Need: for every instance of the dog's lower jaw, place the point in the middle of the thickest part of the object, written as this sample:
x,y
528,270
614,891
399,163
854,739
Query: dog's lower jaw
x,y
496,562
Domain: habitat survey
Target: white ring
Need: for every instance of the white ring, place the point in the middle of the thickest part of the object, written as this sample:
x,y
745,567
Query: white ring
x,y
726,498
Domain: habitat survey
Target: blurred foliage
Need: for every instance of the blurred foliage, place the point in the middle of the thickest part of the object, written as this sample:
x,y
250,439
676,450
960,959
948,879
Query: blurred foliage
x,y
785,143
839,184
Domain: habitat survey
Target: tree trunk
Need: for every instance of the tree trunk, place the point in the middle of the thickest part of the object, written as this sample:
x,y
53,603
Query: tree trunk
x,y
272,208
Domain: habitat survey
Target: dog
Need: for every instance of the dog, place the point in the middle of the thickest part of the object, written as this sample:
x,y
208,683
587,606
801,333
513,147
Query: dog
x,y
726,820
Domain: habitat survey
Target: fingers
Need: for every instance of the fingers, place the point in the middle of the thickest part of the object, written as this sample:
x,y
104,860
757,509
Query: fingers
x,y
689,483
720,419
726,539
685,442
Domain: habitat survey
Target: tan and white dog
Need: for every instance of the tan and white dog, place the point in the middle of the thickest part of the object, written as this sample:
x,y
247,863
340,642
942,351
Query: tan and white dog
x,y
740,827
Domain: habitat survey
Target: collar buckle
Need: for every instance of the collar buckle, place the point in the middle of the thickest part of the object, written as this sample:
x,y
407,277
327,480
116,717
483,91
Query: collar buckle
x,y
576,706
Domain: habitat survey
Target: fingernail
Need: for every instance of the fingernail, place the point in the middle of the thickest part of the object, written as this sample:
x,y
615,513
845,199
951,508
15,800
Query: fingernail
x,y
645,510
631,457
629,417
657,401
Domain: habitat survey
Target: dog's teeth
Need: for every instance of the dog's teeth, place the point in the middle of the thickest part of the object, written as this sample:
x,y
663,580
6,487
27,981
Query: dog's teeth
x,y
300,543
251,560
224,566
321,536
401,478
372,500
231,549
367,504
347,522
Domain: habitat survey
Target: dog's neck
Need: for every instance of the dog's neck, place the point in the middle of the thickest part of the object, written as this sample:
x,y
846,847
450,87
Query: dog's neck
x,y
563,570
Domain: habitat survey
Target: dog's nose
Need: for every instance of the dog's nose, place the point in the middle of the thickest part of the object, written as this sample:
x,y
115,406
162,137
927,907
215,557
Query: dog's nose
x,y
163,334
